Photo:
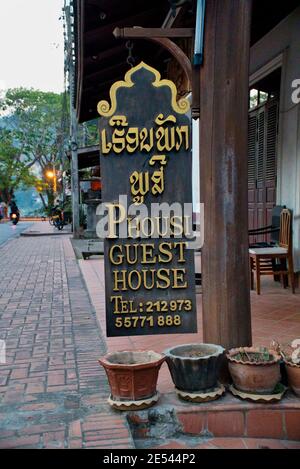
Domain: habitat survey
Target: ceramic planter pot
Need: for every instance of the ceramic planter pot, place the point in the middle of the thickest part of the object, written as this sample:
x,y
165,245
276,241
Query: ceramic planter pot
x,y
259,377
132,375
293,373
195,367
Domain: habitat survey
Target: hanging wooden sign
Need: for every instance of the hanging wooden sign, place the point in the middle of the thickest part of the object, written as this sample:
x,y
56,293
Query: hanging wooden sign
x,y
146,167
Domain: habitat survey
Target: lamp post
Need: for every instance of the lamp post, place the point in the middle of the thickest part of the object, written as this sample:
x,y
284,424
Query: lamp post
x,y
51,174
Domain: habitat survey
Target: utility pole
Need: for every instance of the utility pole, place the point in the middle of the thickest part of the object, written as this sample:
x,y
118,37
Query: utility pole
x,y
224,80
73,123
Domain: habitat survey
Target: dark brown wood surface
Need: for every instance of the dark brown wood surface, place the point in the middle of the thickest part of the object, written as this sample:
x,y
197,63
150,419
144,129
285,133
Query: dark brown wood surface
x,y
223,137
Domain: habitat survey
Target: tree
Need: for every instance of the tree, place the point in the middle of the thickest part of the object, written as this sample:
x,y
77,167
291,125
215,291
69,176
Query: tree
x,y
37,123
34,120
14,173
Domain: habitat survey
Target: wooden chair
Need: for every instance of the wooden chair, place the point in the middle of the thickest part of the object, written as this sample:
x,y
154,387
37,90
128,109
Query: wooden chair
x,y
271,230
262,260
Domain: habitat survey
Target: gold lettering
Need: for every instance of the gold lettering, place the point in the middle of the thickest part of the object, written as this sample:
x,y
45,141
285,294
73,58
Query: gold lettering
x,y
163,274
131,308
160,221
113,221
137,274
105,146
165,250
131,248
143,136
120,257
160,120
132,139
159,183
158,176
118,121
183,129
182,246
139,183
119,278
165,138
117,301
147,254
145,275
133,228
118,140
179,277
124,307
178,228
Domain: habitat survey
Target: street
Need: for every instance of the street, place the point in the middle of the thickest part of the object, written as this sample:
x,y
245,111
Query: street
x,y
8,231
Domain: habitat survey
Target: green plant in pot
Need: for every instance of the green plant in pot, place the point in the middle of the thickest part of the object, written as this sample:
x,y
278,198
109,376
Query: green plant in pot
x,y
132,377
254,370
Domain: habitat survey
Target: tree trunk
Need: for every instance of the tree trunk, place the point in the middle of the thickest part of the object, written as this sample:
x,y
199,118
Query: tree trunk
x,y
43,201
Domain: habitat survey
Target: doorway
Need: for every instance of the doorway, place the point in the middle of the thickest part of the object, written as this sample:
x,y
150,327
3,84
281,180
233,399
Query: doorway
x,y
262,151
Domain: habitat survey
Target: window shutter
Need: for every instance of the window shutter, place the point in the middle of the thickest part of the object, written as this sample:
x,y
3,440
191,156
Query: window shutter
x,y
252,150
260,147
271,140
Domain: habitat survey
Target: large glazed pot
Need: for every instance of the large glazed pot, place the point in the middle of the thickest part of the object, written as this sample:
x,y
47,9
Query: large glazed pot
x,y
293,373
195,367
132,375
256,377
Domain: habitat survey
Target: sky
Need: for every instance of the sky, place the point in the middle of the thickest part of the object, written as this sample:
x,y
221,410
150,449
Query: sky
x,y
31,44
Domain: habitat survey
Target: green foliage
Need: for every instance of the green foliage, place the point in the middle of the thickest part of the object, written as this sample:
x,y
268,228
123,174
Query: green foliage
x,y
14,173
263,355
37,135
36,123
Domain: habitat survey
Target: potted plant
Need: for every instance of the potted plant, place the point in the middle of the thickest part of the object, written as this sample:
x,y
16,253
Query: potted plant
x,y
254,370
291,358
195,368
132,377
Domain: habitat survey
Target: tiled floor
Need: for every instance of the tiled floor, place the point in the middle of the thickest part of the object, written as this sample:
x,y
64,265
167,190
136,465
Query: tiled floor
x,y
275,316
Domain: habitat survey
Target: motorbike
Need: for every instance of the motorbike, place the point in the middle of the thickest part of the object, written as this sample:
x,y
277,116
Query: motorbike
x,y
57,218
14,218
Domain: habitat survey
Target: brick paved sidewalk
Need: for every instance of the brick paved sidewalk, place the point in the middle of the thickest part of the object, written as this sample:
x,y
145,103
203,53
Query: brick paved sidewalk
x,y
52,390
43,228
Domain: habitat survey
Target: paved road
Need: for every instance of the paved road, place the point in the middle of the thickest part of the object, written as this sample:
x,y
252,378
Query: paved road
x,y
8,231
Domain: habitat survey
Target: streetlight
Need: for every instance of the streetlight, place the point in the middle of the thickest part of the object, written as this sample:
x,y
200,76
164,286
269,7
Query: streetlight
x,y
51,174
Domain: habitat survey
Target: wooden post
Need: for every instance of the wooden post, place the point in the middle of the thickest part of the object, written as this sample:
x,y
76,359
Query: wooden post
x,y
74,172
223,169
73,130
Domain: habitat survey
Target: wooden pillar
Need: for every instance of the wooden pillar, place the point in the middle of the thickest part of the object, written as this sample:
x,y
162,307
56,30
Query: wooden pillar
x,y
223,168
73,128
74,172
